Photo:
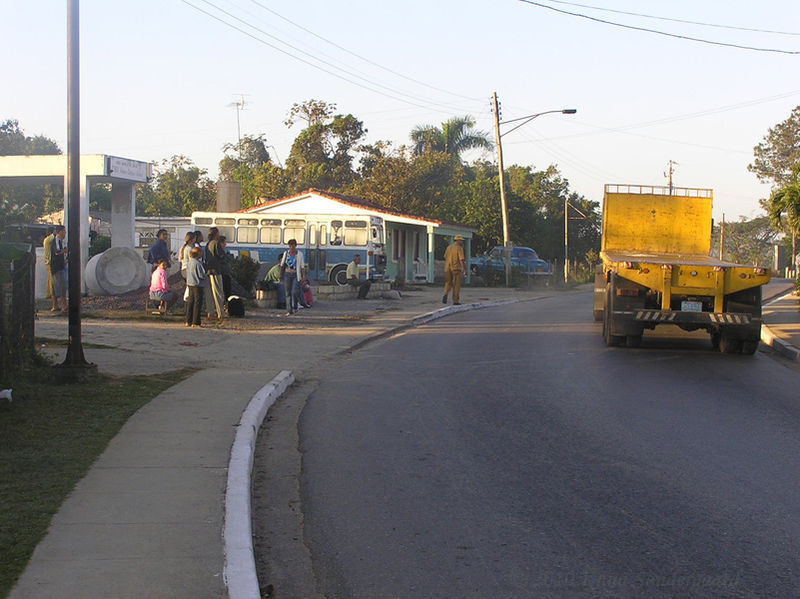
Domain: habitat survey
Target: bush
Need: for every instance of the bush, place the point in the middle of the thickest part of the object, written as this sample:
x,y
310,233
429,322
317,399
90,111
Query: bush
x,y
245,271
100,244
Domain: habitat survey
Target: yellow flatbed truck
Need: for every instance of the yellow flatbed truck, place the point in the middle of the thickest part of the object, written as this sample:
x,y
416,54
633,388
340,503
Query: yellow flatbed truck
x,y
657,269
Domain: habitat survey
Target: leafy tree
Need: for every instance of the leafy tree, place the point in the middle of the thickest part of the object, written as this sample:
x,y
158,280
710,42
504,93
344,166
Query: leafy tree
x,y
779,150
14,142
19,203
747,241
783,207
313,112
321,155
250,152
785,200
455,137
178,189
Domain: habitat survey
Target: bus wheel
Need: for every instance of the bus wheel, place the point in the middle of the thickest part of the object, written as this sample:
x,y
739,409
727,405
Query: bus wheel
x,y
339,275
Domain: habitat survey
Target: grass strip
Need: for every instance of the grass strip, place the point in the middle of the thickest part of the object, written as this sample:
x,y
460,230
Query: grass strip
x,y
49,438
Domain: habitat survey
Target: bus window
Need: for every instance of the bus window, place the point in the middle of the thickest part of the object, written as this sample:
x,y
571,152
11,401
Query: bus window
x,y
202,220
336,232
355,232
225,221
294,229
270,230
247,234
323,235
248,222
312,235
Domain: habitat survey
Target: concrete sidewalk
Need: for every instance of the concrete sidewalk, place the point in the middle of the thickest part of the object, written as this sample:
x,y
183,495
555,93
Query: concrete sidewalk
x,y
781,314
147,519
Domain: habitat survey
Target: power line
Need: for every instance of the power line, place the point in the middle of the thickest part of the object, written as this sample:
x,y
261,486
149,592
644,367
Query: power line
x,y
673,20
395,91
664,33
367,60
395,95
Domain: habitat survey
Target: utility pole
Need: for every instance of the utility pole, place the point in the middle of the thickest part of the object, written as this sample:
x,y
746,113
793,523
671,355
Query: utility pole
x,y
669,173
75,367
566,241
525,120
503,208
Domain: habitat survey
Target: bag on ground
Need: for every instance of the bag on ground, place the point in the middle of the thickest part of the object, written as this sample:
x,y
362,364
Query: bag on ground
x,y
235,306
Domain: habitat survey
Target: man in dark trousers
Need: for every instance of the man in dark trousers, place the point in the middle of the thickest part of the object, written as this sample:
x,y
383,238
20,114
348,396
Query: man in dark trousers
x,y
215,255
354,279
159,250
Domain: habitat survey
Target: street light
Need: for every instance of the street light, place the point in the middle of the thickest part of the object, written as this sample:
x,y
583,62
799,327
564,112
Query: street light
x,y
525,120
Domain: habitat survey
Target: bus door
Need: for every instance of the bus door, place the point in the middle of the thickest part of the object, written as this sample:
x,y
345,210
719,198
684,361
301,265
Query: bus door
x,y
316,256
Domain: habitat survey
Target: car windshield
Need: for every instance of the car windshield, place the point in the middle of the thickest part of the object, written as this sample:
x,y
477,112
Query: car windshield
x,y
528,255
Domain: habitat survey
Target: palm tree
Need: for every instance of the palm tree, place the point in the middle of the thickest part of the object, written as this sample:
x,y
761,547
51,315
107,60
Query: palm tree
x,y
786,200
455,137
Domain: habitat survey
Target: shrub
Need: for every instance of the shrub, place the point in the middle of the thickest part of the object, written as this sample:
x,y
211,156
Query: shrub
x,y
245,271
100,244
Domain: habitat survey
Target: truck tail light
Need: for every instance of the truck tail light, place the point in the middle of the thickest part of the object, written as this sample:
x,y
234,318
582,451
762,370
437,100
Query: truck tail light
x,y
628,292
644,271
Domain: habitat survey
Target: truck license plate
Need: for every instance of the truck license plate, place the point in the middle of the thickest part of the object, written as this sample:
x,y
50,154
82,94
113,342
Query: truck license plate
x,y
691,306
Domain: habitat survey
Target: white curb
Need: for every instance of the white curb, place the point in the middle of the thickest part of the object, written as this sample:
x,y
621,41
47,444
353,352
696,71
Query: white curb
x,y
441,312
240,565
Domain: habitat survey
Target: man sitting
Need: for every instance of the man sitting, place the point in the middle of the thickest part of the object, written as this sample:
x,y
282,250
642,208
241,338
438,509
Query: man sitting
x,y
354,280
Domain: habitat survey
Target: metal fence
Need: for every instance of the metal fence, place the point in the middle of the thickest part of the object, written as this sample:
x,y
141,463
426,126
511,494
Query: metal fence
x,y
17,305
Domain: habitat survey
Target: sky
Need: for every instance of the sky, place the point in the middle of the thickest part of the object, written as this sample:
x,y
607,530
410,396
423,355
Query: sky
x,y
163,77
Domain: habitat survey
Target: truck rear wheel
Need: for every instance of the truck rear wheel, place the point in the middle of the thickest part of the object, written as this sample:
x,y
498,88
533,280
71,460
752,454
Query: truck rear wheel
x,y
729,345
611,340
749,347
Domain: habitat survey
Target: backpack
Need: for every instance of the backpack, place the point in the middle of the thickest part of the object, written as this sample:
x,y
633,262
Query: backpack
x,y
235,306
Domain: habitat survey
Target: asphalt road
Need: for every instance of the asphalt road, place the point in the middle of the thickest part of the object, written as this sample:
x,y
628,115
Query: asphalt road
x,y
507,452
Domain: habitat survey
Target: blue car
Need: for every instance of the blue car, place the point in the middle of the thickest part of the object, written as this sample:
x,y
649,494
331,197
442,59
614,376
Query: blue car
x,y
522,258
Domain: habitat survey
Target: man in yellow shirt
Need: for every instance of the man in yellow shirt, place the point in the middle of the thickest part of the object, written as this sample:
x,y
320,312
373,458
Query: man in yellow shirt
x,y
454,269
47,245
354,280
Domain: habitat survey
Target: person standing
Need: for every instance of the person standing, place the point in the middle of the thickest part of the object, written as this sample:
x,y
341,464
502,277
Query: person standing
x,y
159,250
213,265
58,266
47,245
292,267
353,278
227,269
183,254
454,269
195,281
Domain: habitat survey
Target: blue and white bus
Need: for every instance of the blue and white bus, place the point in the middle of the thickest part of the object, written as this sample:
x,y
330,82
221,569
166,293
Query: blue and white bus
x,y
328,241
